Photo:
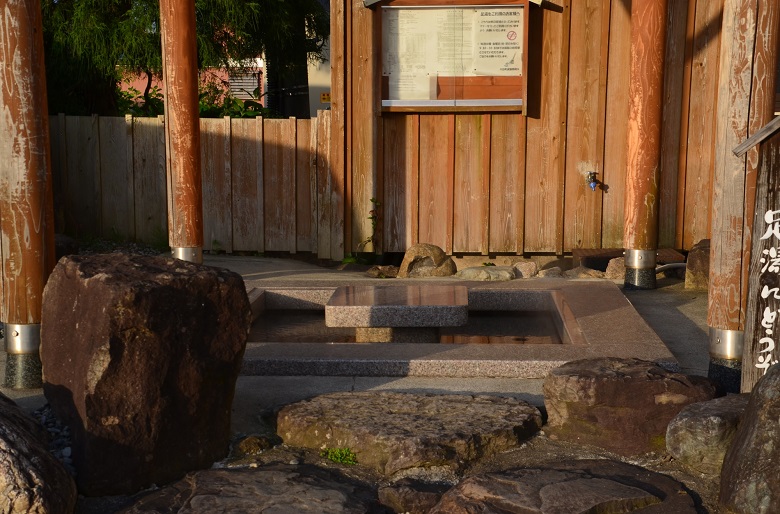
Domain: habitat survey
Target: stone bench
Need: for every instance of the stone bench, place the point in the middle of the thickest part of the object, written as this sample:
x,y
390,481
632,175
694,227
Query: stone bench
x,y
410,314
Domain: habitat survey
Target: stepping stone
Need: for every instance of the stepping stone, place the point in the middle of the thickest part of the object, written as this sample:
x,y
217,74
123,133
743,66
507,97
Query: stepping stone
x,y
277,488
391,432
403,314
574,487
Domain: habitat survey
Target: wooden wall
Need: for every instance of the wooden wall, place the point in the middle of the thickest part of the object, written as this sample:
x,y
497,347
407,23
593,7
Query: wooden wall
x,y
484,183
506,183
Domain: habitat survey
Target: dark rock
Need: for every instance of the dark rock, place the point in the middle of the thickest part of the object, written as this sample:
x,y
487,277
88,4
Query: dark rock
x,y
412,496
388,271
64,245
31,479
390,432
426,260
697,269
253,445
702,432
277,488
575,487
623,405
749,482
488,273
140,358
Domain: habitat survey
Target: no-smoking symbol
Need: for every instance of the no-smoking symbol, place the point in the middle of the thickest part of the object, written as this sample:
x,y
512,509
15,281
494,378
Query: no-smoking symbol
x,y
511,35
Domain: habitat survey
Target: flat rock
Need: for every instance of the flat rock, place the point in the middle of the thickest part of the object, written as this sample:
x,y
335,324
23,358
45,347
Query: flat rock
x,y
426,260
282,489
140,359
378,271
391,432
749,481
488,273
583,272
622,405
574,487
31,479
701,433
553,272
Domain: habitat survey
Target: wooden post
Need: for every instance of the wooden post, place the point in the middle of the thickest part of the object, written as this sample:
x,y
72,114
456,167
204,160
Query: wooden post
x,y
182,129
645,90
26,210
745,104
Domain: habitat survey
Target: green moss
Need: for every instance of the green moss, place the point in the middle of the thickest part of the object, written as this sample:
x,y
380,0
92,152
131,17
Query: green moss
x,y
340,455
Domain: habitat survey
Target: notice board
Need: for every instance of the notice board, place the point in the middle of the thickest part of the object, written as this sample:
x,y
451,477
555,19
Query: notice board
x,y
454,56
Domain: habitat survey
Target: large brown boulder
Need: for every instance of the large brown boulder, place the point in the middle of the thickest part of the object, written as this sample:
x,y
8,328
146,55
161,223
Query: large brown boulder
x,y
623,405
140,358
31,480
426,260
392,432
749,482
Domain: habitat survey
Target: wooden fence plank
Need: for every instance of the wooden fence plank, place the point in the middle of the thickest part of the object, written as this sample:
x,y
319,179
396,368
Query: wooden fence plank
x,y
437,154
674,83
217,187
59,167
246,166
395,210
701,122
585,123
507,183
324,185
546,132
314,161
116,174
279,184
304,165
151,220
616,131
471,183
82,184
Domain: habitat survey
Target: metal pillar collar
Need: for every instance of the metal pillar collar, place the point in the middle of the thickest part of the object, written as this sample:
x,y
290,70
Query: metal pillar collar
x,y
641,259
726,344
22,339
194,254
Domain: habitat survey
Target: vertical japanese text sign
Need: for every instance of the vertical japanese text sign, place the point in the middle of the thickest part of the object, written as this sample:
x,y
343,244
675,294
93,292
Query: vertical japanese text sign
x,y
762,328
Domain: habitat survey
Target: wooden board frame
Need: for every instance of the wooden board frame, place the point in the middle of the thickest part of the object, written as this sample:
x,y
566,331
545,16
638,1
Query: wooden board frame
x,y
472,105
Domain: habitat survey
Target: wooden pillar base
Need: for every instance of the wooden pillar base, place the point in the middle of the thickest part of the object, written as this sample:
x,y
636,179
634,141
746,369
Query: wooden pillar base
x,y
640,269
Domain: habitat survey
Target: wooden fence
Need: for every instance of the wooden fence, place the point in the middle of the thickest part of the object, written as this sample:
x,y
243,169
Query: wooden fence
x,y
267,183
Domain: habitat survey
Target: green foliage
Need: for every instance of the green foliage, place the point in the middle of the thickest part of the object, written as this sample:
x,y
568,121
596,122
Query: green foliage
x,y
340,455
214,101
133,102
373,215
91,44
